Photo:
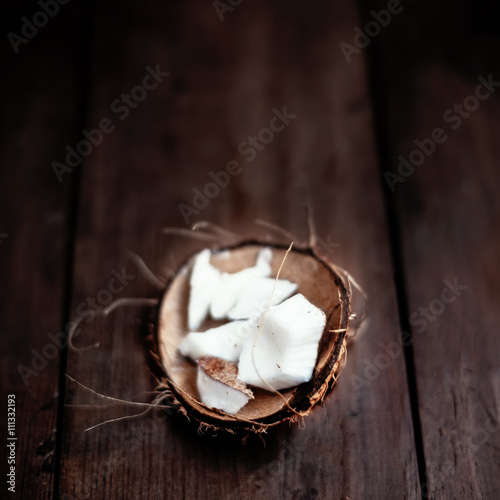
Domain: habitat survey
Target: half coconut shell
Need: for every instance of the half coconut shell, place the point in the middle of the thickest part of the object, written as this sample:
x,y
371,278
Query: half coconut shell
x,y
316,280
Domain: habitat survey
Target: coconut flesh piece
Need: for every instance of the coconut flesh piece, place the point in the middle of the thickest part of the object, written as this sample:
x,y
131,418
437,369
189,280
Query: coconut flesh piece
x,y
218,292
230,285
283,351
224,342
219,386
258,293
204,280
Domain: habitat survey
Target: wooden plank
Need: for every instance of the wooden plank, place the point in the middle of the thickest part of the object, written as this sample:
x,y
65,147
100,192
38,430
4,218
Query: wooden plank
x,y
448,215
37,116
226,78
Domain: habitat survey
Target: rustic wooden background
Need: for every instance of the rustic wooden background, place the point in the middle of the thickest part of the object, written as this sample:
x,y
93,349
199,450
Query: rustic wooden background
x,y
421,421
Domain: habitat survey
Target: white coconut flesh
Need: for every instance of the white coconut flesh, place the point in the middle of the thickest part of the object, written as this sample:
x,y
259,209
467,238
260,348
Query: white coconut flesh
x,y
219,387
218,292
231,285
204,280
223,342
283,352
258,294
275,349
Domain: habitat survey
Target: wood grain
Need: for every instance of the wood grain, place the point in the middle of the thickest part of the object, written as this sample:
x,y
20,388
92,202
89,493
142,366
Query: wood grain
x,y
448,214
37,115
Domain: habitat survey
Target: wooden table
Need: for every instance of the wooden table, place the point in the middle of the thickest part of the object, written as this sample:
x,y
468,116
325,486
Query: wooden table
x,y
387,119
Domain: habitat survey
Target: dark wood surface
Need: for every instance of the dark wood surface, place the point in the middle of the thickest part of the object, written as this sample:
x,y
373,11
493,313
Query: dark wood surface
x,y
35,250
415,413
448,216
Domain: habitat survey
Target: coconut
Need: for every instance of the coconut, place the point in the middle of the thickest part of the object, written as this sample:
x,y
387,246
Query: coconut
x,y
315,280
219,386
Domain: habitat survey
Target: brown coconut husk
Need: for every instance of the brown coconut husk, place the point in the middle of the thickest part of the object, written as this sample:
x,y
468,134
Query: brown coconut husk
x,y
317,281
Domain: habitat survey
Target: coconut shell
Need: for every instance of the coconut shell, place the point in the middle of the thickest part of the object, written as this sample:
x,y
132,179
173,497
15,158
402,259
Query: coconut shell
x,y
316,280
